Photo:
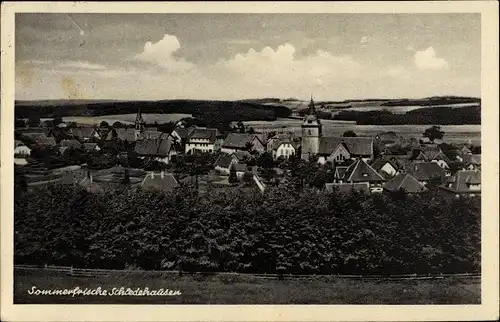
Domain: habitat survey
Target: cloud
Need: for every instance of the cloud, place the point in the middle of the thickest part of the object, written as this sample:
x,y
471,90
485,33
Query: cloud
x,y
81,65
426,59
162,54
364,39
409,48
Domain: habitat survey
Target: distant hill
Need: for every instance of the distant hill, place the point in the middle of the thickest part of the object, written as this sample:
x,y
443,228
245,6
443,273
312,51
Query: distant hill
x,y
209,111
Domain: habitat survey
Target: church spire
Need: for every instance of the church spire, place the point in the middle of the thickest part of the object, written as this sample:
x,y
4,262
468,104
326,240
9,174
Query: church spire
x,y
312,108
139,121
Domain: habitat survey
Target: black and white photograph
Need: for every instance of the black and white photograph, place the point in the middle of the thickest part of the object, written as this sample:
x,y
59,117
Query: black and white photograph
x,y
248,158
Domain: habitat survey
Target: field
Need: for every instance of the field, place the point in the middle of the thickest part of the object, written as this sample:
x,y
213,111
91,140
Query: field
x,y
247,290
453,133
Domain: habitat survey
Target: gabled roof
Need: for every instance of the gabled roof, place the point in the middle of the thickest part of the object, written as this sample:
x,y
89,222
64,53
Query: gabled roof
x,y
184,132
70,143
159,181
406,182
224,160
149,134
348,187
124,134
83,132
276,143
340,172
90,146
40,138
360,171
461,180
423,171
238,140
239,167
400,161
378,164
202,133
355,145
240,155
473,158
154,147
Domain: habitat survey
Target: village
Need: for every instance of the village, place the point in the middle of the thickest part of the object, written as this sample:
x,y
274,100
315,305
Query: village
x,y
153,158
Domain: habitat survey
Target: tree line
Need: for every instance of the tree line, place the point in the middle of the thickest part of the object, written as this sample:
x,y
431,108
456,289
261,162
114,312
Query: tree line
x,y
283,230
443,115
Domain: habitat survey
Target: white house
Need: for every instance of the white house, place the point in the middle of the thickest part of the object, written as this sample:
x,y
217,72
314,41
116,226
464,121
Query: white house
x,y
283,148
202,139
20,149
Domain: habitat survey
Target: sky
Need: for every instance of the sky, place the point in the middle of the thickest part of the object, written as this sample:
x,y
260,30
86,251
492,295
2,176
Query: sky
x,y
239,56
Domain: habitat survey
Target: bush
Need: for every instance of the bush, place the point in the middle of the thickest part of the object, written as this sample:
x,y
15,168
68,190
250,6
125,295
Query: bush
x,y
281,231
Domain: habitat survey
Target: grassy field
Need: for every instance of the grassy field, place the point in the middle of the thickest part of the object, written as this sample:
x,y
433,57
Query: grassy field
x,y
247,290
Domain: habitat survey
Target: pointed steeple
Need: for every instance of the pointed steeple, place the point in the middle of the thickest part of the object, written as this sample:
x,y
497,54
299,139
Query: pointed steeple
x,y
139,121
312,108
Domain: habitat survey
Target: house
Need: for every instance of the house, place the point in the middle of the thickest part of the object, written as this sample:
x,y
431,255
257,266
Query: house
x,y
74,144
123,134
341,149
399,162
242,142
388,138
425,172
83,134
149,133
363,187
224,162
284,148
333,149
160,149
242,155
406,182
40,139
58,133
91,147
20,149
159,182
463,183
385,167
362,172
472,162
181,135
339,173
432,153
201,139
240,170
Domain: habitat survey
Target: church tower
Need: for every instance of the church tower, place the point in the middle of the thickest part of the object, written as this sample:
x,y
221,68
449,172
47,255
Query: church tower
x,y
311,133
139,123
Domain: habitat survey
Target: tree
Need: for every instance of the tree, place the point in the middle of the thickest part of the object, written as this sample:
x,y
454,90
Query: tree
x,y
232,176
433,133
247,178
350,134
57,120
104,124
118,124
240,127
34,121
126,177
19,123
265,160
251,130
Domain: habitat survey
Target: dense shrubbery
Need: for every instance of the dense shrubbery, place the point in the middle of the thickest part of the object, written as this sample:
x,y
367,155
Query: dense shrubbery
x,y
281,231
